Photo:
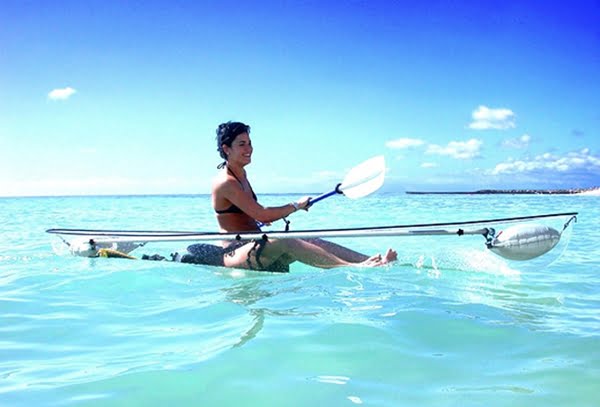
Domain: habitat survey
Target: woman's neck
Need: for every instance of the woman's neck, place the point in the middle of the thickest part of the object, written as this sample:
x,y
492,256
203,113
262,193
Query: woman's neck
x,y
238,171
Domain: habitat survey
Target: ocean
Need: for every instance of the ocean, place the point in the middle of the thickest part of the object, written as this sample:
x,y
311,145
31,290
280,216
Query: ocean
x,y
448,324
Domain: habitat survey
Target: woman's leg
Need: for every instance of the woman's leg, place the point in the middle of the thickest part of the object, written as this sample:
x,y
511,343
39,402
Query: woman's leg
x,y
318,256
290,250
285,250
342,252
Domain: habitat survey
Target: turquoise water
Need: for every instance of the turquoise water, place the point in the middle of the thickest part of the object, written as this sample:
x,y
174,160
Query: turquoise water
x,y
449,324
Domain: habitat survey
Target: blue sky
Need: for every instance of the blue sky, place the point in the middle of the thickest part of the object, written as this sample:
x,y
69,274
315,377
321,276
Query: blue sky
x,y
117,97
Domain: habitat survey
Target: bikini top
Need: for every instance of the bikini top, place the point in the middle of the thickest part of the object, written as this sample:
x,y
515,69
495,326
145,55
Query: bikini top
x,y
233,208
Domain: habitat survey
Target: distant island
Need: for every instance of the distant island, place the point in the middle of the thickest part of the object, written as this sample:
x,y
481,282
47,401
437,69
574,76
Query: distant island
x,y
572,191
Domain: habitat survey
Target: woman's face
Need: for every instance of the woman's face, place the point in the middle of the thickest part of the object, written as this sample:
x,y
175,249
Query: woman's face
x,y
240,151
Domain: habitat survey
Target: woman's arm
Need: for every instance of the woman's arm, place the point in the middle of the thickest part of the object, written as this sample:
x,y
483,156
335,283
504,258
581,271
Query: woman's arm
x,y
233,192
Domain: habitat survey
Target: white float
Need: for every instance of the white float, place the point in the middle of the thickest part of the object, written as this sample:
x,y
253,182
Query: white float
x,y
524,242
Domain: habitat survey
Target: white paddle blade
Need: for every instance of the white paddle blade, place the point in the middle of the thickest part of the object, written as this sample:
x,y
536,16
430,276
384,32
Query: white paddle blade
x,y
365,178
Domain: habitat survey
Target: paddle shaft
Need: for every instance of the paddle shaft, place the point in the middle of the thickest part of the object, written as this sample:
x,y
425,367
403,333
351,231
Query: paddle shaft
x,y
336,191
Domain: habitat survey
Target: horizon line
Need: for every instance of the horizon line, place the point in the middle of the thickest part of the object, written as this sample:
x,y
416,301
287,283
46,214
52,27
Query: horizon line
x,y
490,191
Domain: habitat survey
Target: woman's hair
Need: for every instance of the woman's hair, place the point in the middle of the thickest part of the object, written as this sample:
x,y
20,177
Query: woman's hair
x,y
226,134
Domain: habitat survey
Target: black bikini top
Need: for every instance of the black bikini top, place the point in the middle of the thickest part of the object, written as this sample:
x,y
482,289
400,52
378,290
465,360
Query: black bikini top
x,y
233,208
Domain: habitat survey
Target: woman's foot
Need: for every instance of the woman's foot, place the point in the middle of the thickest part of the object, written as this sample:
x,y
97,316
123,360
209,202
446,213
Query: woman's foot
x,y
379,260
372,261
390,256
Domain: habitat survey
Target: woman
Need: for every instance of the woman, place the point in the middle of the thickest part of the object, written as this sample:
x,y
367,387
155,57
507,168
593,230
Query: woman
x,y
238,210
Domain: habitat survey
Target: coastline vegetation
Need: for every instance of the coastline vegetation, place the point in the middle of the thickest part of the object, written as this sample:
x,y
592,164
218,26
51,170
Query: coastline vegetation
x,y
510,191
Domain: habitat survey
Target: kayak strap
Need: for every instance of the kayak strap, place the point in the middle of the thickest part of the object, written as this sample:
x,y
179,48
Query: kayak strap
x,y
257,249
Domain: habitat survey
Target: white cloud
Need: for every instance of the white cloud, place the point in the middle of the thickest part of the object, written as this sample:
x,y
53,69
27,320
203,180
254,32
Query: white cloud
x,y
574,161
485,118
403,143
519,142
96,186
460,150
429,165
65,186
61,93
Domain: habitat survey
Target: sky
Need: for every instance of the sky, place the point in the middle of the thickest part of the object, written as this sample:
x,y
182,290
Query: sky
x,y
123,97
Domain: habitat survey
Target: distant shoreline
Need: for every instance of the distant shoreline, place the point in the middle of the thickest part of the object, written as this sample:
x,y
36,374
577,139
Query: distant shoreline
x,y
571,191
595,191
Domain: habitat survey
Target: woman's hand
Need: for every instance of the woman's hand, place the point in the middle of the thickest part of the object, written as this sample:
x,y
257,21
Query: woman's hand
x,y
303,203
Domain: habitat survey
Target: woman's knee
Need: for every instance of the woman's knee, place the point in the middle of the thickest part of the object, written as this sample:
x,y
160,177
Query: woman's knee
x,y
286,248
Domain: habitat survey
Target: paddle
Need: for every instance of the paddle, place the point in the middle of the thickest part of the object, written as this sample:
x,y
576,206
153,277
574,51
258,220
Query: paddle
x,y
360,181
